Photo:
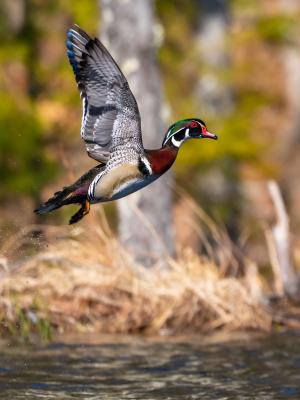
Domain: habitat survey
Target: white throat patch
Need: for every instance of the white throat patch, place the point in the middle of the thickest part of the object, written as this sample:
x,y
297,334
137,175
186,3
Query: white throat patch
x,y
175,142
178,143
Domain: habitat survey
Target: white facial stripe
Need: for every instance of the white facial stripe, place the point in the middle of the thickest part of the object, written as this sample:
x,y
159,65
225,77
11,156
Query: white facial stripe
x,y
177,131
171,137
177,143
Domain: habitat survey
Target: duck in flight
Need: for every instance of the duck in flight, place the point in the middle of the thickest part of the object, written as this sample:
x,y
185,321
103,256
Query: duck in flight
x,y
111,130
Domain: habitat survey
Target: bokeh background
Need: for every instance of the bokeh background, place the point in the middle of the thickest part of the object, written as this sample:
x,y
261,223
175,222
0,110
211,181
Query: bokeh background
x,y
234,64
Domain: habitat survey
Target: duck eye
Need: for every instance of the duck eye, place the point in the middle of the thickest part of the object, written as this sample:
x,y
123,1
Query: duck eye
x,y
193,124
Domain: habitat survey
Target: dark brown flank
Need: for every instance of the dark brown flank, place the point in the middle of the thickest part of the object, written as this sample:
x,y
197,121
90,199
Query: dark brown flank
x,y
161,160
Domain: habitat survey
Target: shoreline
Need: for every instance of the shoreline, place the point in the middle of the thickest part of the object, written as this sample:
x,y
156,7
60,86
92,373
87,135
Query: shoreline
x,y
88,284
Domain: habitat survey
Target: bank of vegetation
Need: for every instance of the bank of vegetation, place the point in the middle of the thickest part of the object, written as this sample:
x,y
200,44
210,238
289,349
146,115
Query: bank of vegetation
x,y
83,280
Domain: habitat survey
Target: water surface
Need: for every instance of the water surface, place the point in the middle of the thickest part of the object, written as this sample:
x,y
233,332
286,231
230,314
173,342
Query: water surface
x,y
137,368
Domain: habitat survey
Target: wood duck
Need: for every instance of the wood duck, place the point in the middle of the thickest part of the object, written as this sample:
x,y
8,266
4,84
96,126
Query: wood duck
x,y
111,130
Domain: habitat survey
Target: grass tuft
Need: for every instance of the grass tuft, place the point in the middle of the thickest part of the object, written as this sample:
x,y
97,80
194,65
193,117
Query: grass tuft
x,y
86,282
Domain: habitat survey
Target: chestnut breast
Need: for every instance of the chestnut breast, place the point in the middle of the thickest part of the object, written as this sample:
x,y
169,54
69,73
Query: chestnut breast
x,y
161,160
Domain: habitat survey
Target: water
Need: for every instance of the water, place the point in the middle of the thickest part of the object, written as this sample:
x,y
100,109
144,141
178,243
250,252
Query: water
x,y
256,368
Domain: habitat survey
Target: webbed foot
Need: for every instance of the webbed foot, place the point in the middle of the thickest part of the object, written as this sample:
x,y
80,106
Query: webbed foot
x,y
84,210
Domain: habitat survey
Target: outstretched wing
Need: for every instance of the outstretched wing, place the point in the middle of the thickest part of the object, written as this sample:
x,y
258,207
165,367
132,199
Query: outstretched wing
x,y
104,91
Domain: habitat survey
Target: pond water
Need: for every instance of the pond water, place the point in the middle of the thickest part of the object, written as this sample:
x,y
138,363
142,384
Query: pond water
x,y
137,368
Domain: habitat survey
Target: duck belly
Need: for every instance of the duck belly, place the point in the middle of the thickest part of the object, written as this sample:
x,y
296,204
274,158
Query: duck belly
x,y
131,186
120,182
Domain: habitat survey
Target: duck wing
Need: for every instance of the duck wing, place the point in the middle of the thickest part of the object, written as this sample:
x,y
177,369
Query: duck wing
x,y
106,96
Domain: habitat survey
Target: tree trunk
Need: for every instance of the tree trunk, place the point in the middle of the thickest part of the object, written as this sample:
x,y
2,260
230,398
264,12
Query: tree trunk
x,y
218,186
285,274
127,29
290,146
214,94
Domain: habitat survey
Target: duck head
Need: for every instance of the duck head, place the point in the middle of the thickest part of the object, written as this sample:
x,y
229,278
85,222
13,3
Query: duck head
x,y
185,129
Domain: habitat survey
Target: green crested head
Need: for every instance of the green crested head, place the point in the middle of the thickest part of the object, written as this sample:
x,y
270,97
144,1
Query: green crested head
x,y
191,128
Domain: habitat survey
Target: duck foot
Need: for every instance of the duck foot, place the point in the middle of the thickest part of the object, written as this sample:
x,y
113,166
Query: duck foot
x,y
84,210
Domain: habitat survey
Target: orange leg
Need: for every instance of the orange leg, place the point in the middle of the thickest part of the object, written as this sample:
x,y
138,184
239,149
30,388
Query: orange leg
x,y
84,210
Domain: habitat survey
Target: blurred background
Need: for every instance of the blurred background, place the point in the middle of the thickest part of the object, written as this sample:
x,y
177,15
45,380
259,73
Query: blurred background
x,y
221,231
235,64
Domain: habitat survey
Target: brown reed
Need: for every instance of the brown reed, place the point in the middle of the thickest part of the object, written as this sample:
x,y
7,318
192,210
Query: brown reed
x,y
85,281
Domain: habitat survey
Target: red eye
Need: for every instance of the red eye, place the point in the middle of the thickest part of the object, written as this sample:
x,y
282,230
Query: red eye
x,y
193,124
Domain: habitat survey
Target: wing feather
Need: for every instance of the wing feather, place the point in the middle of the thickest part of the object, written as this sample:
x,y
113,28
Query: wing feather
x,y
105,92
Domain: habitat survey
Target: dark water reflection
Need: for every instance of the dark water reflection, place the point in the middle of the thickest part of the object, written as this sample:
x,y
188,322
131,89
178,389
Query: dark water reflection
x,y
265,368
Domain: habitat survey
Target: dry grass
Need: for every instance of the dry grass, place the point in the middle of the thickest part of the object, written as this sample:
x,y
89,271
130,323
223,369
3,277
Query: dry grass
x,y
86,281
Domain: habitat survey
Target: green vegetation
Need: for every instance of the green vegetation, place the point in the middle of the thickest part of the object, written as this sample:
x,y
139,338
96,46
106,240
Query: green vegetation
x,y
27,322
277,29
24,167
34,70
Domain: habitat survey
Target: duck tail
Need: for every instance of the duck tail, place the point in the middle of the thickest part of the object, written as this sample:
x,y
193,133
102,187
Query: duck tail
x,y
73,194
59,199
